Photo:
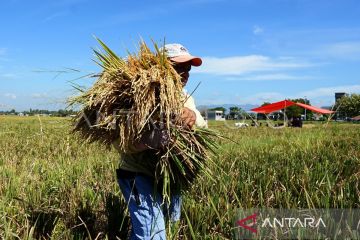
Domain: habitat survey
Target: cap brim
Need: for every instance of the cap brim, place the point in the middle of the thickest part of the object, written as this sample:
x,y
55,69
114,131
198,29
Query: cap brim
x,y
195,61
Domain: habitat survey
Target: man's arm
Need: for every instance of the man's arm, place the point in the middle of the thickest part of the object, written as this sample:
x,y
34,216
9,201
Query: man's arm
x,y
151,139
190,104
159,138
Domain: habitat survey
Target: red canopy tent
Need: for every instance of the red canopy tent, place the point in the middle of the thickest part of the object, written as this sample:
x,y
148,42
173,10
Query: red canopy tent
x,y
286,103
315,109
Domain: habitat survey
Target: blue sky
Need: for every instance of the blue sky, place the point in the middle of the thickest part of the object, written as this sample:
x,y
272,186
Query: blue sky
x,y
253,51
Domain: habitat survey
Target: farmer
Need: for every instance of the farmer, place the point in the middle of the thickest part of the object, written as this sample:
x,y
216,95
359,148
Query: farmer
x,y
136,170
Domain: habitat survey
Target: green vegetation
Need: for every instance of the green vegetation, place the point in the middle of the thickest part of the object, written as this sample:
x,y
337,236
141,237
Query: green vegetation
x,y
296,111
53,184
32,112
348,106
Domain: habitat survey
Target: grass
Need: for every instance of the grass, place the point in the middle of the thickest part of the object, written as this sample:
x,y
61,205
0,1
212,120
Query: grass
x,y
53,184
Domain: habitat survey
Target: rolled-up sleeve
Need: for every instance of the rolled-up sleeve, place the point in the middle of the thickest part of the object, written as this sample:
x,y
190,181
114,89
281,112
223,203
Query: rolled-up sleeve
x,y
200,121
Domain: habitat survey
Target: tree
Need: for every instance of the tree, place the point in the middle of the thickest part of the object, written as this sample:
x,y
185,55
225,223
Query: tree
x,y
234,112
218,109
348,106
262,116
296,111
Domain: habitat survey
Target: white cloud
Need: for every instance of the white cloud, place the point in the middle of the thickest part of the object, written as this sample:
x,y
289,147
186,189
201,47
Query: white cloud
x,y
318,97
8,75
262,97
344,50
257,30
325,96
10,95
254,99
330,91
39,95
239,65
211,101
269,77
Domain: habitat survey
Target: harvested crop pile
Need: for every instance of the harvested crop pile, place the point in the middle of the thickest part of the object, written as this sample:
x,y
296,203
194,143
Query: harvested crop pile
x,y
134,95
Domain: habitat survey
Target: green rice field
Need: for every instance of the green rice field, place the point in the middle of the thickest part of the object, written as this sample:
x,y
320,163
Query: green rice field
x,y
53,185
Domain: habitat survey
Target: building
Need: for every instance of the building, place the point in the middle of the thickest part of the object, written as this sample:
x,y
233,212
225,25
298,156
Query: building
x,y
215,115
339,114
339,95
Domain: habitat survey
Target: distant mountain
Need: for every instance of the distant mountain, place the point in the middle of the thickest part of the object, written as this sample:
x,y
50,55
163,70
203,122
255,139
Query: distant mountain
x,y
246,107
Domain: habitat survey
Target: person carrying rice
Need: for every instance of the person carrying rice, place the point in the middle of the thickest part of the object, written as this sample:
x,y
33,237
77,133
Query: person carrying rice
x,y
138,105
148,211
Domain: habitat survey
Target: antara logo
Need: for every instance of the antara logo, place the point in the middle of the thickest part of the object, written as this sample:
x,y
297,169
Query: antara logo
x,y
290,222
250,226
287,222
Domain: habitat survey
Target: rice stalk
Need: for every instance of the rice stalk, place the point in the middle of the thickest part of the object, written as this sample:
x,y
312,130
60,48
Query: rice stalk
x,y
134,95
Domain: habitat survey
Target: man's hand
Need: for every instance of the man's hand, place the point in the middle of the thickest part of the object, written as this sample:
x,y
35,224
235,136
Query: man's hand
x,y
159,138
153,139
188,117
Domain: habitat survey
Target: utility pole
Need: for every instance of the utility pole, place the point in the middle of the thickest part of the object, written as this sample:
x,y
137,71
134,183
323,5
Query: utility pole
x,y
305,108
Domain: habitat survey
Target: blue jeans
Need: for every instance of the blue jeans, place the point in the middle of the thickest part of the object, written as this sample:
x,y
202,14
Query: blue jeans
x,y
147,212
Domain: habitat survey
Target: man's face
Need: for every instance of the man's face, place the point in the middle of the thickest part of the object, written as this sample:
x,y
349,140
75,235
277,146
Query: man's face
x,y
183,70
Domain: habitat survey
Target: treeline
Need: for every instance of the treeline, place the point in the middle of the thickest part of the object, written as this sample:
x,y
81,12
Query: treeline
x,y
346,108
32,112
292,111
233,113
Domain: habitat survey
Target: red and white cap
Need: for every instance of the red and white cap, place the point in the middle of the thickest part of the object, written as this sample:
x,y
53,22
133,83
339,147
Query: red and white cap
x,y
179,54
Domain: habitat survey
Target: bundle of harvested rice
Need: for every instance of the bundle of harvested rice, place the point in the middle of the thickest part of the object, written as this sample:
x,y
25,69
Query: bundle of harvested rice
x,y
132,96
